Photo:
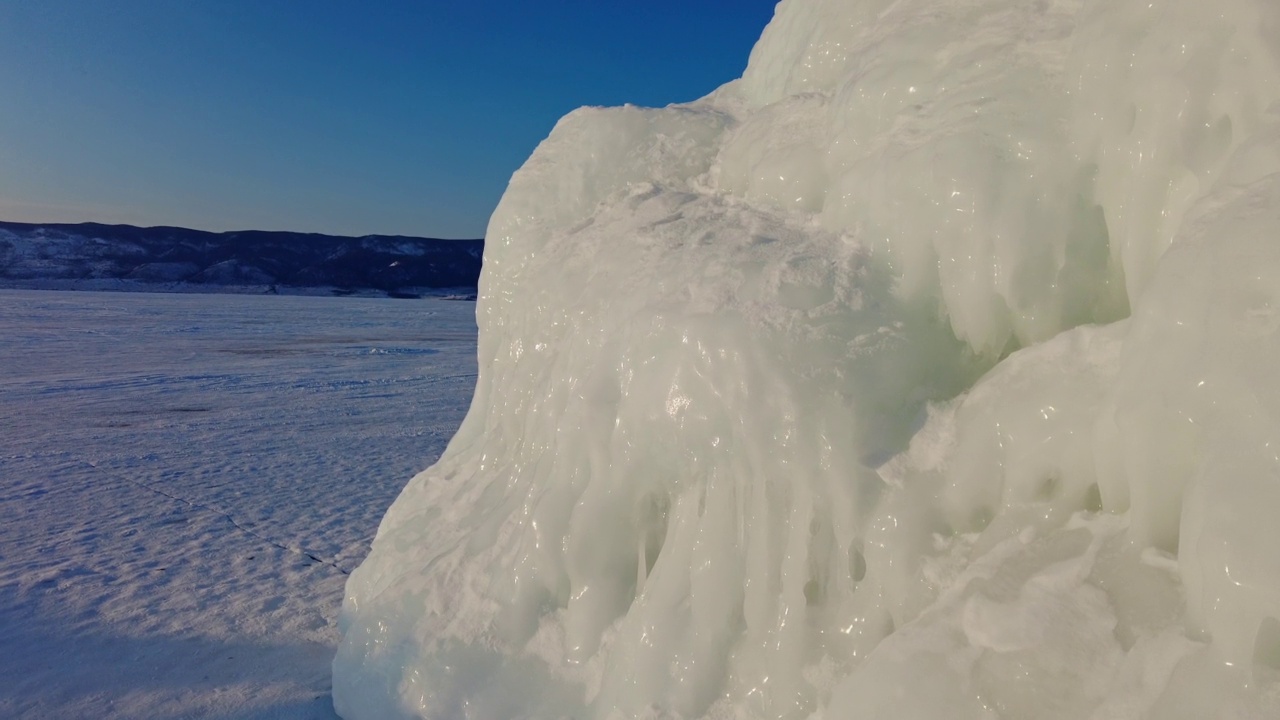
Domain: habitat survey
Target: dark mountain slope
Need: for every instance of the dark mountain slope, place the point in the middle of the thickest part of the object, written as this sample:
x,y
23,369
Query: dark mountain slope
x,y
91,255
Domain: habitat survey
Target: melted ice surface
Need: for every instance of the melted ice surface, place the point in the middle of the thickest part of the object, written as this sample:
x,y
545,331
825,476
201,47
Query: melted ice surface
x,y
925,371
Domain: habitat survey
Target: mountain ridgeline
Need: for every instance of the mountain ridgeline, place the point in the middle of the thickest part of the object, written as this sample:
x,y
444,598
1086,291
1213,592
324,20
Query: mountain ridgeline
x,y
90,256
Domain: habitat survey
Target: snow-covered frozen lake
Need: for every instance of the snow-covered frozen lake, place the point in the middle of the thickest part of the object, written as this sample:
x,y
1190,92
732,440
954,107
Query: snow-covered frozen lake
x,y
186,480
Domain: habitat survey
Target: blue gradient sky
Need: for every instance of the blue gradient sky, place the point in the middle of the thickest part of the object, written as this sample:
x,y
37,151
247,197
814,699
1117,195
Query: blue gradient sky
x,y
326,116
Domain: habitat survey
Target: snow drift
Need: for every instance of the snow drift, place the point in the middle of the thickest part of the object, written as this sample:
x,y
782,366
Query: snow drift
x,y
925,371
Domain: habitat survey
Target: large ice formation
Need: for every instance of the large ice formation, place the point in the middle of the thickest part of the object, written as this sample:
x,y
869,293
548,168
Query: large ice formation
x,y
926,371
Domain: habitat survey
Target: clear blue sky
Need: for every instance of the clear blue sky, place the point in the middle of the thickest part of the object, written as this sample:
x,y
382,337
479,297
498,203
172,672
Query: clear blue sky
x,y
333,116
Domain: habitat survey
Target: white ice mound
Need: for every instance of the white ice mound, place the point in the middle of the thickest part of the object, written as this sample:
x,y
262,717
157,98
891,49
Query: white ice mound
x,y
729,454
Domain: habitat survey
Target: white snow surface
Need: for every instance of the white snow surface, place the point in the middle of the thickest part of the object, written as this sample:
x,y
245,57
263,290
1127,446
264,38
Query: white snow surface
x,y
186,479
925,371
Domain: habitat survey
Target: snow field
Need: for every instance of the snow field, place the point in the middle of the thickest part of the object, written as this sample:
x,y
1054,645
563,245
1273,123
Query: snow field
x,y
186,479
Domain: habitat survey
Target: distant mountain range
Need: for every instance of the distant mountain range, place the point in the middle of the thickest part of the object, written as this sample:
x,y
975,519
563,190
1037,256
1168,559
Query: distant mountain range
x,y
89,256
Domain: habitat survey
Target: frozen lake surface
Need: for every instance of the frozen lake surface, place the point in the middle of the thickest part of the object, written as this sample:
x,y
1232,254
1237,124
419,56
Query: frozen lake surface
x,y
186,481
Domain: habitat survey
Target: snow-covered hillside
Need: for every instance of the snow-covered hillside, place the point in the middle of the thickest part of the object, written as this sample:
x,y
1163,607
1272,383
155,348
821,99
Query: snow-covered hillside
x,y
121,257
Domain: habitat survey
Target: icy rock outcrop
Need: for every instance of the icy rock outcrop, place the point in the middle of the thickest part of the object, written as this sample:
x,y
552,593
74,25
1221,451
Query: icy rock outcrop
x,y
925,371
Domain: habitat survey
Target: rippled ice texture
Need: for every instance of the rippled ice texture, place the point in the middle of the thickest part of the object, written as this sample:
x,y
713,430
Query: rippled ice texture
x,y
928,370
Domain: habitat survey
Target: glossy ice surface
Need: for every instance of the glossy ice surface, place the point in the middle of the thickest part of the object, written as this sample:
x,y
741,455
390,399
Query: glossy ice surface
x,y
925,371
